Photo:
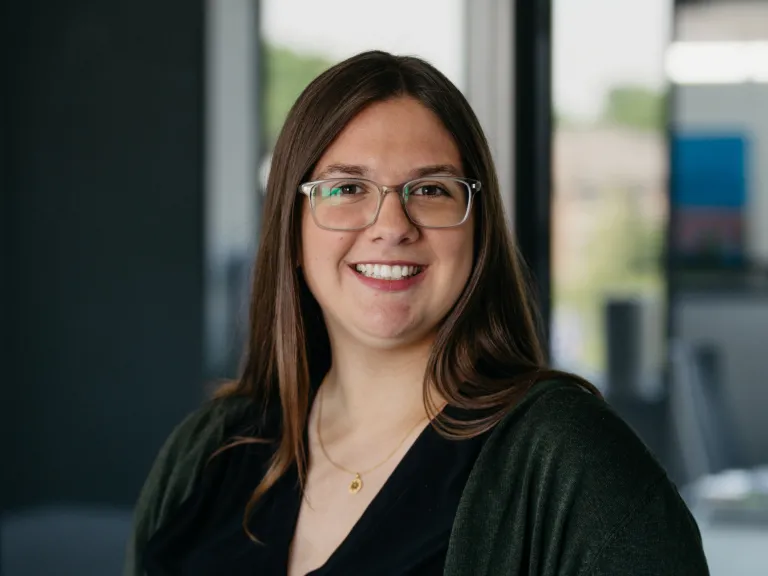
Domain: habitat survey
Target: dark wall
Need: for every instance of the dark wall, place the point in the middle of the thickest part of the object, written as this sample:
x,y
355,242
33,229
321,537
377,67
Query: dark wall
x,y
103,241
6,376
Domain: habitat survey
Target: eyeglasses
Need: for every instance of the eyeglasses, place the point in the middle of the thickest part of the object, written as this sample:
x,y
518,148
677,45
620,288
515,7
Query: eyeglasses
x,y
355,203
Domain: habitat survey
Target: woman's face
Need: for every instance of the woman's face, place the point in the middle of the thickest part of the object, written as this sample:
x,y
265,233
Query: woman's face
x,y
390,143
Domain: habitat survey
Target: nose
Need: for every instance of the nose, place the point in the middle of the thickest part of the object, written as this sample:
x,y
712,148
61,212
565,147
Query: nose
x,y
393,226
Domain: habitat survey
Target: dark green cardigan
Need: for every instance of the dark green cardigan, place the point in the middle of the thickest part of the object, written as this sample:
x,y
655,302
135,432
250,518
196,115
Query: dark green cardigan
x,y
561,487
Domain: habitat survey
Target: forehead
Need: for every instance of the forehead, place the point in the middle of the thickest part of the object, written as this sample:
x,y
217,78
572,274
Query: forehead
x,y
391,139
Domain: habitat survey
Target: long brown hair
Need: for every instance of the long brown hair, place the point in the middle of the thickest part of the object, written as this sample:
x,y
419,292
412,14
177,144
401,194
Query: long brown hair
x,y
487,352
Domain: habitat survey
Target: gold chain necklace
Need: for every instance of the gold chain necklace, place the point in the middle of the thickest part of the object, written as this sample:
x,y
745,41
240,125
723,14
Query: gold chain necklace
x,y
357,481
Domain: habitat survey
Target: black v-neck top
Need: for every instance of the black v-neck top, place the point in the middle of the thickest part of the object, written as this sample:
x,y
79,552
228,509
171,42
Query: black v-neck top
x,y
404,530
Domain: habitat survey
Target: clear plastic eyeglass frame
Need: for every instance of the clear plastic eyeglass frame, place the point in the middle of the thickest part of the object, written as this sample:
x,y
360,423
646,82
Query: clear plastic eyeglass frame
x,y
472,186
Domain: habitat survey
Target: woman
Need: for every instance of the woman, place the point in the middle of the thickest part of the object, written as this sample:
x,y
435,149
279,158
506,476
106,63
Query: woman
x,y
394,415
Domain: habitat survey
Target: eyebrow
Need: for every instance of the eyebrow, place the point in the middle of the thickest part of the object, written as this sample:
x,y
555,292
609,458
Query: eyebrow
x,y
360,171
345,169
437,170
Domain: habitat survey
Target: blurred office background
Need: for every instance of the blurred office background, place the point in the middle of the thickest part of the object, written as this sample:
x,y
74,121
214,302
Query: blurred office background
x,y
631,139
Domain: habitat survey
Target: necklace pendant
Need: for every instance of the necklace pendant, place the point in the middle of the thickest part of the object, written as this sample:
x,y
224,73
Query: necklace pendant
x,y
356,485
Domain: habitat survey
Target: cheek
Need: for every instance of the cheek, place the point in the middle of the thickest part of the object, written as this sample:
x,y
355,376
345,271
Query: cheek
x,y
322,251
455,252
463,268
467,249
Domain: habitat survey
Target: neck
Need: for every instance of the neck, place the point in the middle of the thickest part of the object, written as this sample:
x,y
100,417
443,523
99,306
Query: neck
x,y
377,388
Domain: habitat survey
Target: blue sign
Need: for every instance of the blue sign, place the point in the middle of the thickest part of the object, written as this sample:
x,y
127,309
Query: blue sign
x,y
709,195
709,170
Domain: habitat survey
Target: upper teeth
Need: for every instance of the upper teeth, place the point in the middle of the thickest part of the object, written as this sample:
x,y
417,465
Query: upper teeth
x,y
387,272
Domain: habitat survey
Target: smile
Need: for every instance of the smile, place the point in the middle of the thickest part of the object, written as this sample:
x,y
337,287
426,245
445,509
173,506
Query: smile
x,y
387,272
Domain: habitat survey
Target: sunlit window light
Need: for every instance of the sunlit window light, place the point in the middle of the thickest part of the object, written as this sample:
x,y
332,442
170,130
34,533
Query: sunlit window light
x,y
717,62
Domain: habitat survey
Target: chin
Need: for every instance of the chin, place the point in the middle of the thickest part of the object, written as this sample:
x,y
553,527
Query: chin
x,y
388,337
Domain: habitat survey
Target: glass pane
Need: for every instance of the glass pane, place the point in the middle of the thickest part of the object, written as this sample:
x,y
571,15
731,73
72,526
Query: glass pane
x,y
299,48
609,196
719,271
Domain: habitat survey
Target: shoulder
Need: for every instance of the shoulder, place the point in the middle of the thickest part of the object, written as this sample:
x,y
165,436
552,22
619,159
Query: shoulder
x,y
198,434
195,438
209,423
569,479
560,419
561,428
178,465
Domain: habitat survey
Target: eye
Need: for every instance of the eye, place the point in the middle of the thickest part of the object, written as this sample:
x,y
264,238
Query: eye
x,y
349,189
337,189
429,190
